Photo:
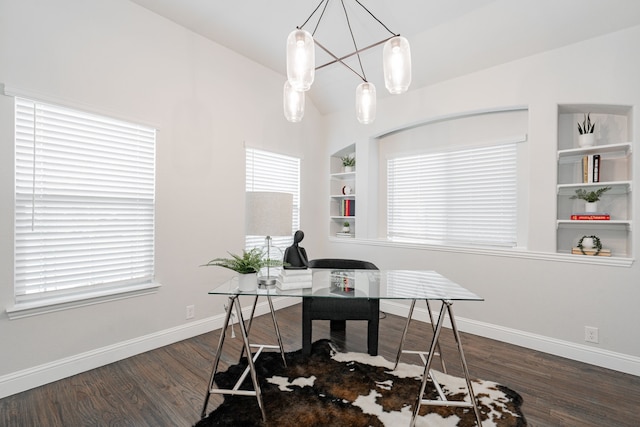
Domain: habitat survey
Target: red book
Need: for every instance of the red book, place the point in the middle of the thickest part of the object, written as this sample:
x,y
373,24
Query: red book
x,y
591,217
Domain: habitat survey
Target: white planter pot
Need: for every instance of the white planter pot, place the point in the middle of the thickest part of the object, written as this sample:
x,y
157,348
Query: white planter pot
x,y
591,207
348,168
247,282
586,139
588,243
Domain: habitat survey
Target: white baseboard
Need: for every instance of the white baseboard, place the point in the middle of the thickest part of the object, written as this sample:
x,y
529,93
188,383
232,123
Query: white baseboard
x,y
26,379
581,353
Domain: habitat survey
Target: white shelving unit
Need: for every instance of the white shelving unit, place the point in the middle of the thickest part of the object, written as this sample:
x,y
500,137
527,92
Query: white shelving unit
x,y
340,183
614,144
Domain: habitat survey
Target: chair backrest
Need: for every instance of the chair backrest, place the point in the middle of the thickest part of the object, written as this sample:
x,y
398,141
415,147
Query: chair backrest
x,y
349,264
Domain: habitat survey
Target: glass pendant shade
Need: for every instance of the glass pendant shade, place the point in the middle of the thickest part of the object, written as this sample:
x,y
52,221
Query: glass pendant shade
x,y
301,60
293,101
396,59
366,102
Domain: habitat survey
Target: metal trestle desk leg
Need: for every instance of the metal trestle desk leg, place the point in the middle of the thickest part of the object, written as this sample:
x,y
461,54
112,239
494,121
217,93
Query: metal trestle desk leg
x,y
427,375
234,302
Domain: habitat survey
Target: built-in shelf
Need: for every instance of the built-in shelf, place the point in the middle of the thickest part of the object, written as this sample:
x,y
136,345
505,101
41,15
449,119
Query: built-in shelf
x,y
614,146
341,181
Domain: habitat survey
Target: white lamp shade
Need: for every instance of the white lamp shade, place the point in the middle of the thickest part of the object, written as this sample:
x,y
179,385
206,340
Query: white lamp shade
x,y
301,60
293,101
396,60
269,213
366,102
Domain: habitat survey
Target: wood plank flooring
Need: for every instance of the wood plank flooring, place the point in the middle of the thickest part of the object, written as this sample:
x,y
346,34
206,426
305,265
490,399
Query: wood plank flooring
x,y
165,387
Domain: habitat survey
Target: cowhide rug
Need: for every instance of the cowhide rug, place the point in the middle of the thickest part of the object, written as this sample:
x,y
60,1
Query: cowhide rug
x,y
330,388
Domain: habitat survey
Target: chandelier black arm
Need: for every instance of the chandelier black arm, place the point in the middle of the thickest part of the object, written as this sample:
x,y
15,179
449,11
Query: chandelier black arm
x,y
342,58
336,59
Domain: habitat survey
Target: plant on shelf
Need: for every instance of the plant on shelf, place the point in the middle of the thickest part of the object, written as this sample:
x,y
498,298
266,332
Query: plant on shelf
x,y
348,161
590,242
251,261
586,126
590,196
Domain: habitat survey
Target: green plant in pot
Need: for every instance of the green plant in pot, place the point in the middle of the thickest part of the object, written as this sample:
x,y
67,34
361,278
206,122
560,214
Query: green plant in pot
x,y
247,265
590,197
349,162
586,137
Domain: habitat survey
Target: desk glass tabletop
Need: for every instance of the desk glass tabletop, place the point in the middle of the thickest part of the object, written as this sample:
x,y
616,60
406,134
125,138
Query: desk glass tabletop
x,y
367,284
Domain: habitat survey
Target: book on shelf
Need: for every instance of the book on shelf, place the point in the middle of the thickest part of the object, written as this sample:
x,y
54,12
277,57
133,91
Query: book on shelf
x,y
591,168
592,252
348,207
346,235
590,216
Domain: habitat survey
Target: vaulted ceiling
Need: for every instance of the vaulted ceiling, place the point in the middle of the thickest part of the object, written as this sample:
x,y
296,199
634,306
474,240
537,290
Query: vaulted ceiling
x,y
448,38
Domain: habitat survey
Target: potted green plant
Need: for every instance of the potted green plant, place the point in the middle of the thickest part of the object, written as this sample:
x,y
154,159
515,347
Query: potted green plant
x,y
586,137
346,227
246,265
590,197
348,162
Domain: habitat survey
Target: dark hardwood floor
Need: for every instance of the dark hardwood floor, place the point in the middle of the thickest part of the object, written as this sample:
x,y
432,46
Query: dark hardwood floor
x,y
165,387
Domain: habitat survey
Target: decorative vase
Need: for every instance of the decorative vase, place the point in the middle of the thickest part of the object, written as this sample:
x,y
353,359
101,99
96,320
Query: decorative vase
x,y
348,168
591,207
586,139
588,243
247,282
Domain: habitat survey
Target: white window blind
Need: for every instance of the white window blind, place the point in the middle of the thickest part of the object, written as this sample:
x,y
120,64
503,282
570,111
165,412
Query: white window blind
x,y
266,171
84,203
466,196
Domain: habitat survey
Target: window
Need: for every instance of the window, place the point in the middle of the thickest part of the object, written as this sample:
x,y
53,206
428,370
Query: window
x,y
267,171
465,196
84,204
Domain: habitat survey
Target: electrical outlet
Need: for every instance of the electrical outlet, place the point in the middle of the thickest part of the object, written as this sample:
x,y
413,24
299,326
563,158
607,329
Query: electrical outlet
x,y
191,312
591,334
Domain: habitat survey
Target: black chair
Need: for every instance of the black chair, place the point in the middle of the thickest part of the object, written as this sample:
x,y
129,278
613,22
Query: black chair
x,y
337,310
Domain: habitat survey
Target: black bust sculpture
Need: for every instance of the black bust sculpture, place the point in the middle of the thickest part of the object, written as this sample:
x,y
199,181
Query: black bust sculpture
x,y
295,257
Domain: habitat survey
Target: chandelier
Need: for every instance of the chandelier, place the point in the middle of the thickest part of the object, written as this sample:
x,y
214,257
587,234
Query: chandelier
x,y
396,60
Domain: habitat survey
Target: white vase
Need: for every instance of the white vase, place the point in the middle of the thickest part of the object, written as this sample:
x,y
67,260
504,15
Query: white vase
x,y
247,282
588,243
591,207
586,139
348,168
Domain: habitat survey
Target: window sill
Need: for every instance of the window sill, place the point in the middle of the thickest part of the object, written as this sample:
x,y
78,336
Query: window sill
x,y
29,309
509,253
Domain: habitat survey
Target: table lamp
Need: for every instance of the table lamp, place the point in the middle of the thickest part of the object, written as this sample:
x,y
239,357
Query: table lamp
x,y
268,214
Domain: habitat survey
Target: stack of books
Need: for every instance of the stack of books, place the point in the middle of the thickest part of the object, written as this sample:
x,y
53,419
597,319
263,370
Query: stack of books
x,y
603,252
294,279
343,234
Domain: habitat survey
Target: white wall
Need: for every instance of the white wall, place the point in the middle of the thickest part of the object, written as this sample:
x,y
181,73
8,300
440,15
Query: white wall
x,y
116,58
533,298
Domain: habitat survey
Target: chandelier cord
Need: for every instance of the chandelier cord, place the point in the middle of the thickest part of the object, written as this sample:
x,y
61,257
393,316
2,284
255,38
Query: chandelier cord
x,y
355,45
374,17
313,13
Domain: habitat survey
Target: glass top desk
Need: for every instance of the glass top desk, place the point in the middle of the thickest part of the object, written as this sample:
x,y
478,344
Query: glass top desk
x,y
411,285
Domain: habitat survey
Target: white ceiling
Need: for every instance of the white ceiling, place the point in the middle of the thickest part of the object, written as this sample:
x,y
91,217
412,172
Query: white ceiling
x,y
448,38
